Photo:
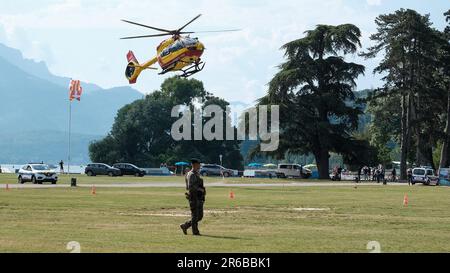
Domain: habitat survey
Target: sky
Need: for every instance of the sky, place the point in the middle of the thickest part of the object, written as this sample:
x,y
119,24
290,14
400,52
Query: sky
x,y
80,38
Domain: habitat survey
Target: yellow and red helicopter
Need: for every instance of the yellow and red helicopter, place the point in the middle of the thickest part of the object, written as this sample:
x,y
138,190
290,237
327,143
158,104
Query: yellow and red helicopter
x,y
178,53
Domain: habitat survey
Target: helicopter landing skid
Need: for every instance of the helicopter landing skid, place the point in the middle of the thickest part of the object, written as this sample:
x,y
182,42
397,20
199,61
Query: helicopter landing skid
x,y
194,69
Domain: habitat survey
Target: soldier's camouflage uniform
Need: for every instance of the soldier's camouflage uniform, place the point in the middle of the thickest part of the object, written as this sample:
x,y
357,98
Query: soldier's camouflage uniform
x,y
196,196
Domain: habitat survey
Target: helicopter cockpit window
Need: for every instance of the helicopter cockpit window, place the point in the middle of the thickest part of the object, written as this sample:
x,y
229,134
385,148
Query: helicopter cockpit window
x,y
190,42
165,52
176,46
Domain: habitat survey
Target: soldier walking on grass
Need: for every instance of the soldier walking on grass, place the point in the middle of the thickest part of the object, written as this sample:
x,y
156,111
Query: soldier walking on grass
x,y
196,195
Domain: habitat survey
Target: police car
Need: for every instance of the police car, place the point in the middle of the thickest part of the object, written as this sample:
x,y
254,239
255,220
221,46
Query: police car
x,y
37,174
424,175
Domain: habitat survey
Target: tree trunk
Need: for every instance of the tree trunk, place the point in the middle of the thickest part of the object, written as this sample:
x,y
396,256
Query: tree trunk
x,y
323,163
444,152
405,136
424,151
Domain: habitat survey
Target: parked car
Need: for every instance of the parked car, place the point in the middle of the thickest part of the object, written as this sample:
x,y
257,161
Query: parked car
x,y
424,175
129,169
293,171
37,174
216,170
101,169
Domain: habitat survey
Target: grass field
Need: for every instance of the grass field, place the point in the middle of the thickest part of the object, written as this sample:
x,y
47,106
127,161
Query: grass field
x,y
258,220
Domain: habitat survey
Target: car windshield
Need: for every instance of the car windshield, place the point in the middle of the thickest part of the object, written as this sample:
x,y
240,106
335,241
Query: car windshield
x,y
41,167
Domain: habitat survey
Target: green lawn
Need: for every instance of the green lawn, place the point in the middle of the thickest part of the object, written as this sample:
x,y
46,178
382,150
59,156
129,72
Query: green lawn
x,y
258,220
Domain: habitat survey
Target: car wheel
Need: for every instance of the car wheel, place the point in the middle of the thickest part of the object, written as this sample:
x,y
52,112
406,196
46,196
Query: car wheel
x,y
226,174
110,174
204,174
33,180
137,174
53,182
90,173
20,180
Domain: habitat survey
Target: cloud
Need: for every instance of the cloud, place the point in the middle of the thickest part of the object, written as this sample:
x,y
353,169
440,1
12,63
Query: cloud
x,y
84,34
18,38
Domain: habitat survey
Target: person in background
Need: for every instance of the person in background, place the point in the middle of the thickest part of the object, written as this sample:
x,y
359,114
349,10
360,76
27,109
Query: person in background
x,y
340,173
360,171
409,176
365,173
394,175
61,166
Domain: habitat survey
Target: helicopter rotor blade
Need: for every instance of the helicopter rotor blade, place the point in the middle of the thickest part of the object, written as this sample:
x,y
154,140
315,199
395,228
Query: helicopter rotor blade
x,y
190,22
145,36
141,25
212,31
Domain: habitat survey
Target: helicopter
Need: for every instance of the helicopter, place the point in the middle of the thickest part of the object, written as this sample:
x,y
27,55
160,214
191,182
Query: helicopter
x,y
179,53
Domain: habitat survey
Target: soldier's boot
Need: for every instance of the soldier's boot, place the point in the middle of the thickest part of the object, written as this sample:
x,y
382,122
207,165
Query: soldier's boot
x,y
184,228
195,230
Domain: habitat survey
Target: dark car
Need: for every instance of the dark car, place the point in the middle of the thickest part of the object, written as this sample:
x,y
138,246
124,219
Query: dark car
x,y
101,169
130,169
215,170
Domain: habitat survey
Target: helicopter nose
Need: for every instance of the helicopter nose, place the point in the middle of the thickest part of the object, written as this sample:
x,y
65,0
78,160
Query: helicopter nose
x,y
200,46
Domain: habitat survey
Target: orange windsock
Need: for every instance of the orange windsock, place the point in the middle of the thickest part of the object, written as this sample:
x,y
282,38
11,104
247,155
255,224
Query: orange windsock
x,y
94,190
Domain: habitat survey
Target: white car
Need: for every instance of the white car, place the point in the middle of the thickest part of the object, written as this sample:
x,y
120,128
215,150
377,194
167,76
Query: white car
x,y
37,174
294,171
424,175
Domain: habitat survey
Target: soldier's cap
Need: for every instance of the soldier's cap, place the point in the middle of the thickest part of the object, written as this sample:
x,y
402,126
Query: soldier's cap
x,y
195,161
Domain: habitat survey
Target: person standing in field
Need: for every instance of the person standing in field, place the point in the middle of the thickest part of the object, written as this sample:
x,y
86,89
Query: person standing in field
x,y
61,166
394,175
365,172
196,196
409,176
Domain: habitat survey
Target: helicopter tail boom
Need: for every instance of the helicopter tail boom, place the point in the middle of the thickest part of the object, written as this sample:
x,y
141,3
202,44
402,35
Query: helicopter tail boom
x,y
134,69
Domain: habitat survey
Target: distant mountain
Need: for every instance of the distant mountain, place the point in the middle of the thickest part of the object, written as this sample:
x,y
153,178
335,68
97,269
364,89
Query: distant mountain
x,y
34,100
37,69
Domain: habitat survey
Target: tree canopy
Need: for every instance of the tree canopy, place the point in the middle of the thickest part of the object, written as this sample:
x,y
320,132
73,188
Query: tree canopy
x,y
314,89
141,133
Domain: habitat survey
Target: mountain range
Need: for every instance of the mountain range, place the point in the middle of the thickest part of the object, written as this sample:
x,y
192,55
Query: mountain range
x,y
34,112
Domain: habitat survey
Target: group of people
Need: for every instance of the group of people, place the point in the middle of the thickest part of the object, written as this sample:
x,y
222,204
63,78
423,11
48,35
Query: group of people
x,y
376,174
337,173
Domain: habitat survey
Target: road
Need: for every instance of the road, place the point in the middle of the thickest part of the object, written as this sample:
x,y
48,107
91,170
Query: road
x,y
209,185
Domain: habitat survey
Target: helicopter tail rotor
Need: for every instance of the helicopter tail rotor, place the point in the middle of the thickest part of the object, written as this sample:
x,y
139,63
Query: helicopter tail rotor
x,y
134,69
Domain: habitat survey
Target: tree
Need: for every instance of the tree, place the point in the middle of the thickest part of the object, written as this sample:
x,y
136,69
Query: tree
x,y
409,44
314,90
445,76
385,127
141,133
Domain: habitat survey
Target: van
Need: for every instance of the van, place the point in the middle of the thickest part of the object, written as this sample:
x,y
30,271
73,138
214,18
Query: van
x,y
294,171
424,175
